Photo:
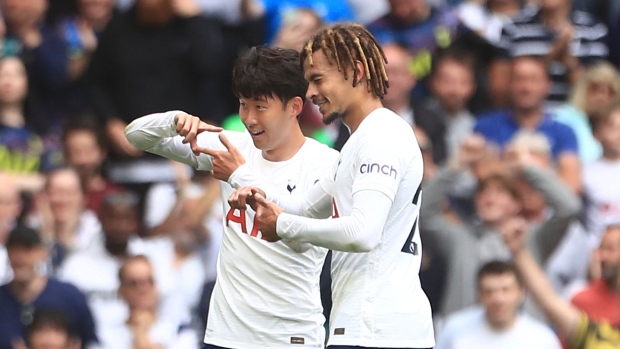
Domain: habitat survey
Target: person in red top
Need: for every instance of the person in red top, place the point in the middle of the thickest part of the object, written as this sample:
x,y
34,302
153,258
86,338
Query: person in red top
x,y
599,300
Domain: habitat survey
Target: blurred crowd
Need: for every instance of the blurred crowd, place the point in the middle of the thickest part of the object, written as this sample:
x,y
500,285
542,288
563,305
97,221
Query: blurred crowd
x,y
515,104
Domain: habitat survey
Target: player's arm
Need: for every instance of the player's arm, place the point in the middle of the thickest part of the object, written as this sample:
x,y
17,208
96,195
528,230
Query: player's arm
x,y
160,134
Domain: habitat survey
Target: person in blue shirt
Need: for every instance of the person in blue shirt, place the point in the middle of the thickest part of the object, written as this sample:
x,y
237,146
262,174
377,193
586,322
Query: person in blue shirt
x,y
529,85
30,290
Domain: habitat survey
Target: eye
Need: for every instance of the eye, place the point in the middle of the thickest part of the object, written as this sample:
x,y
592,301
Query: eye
x,y
260,107
242,104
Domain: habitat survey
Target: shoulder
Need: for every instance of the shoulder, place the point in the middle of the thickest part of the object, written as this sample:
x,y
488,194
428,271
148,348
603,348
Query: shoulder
x,y
465,319
492,119
64,288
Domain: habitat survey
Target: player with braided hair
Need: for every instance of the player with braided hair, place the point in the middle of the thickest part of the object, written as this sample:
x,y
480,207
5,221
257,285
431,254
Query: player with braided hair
x,y
374,191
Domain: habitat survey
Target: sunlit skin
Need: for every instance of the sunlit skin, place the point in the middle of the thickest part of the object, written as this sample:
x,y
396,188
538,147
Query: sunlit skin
x,y
501,295
494,204
336,96
273,125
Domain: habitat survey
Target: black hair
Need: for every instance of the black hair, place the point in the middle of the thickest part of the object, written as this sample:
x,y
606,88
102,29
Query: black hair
x,y
50,318
269,72
85,123
499,268
23,236
454,54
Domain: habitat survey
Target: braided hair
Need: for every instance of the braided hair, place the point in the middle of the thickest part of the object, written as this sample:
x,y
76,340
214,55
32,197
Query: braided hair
x,y
345,44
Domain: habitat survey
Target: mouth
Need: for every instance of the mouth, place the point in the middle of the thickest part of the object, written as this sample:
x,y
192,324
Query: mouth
x,y
320,104
256,133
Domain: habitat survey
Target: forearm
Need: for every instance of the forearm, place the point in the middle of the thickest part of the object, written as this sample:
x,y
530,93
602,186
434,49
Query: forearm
x,y
558,195
358,232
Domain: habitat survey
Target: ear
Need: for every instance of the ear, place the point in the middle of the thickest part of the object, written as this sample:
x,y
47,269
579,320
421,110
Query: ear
x,y
361,72
296,105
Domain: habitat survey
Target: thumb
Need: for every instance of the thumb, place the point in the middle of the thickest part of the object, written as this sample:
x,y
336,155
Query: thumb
x,y
261,200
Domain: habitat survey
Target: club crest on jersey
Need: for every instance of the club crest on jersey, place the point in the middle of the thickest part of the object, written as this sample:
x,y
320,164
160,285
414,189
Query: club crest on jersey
x,y
291,186
378,168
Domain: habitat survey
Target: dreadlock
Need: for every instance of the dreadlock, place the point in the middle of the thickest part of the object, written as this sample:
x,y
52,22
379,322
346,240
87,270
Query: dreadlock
x,y
345,44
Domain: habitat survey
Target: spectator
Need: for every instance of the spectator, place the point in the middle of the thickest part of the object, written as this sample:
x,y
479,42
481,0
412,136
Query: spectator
x,y
51,329
444,115
298,27
62,217
31,290
85,150
22,151
498,323
10,209
145,326
419,27
476,240
602,200
567,40
596,90
402,81
599,300
154,57
528,87
570,323
488,17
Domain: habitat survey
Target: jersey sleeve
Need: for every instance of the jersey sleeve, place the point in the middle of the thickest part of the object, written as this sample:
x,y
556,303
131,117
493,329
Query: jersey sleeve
x,y
156,133
379,166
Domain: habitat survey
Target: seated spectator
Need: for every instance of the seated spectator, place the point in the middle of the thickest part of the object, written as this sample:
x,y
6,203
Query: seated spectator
x,y
31,290
498,322
599,300
475,240
146,327
421,28
22,151
567,40
488,18
85,150
62,217
601,195
444,115
10,209
571,324
51,329
596,90
528,87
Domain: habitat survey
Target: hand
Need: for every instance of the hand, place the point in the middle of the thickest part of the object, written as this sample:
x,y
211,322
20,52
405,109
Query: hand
x,y
225,162
115,129
560,50
244,196
267,215
190,126
186,8
514,233
87,36
471,151
518,157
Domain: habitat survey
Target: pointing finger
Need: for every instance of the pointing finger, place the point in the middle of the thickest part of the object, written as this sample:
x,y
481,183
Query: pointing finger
x,y
231,148
208,151
261,200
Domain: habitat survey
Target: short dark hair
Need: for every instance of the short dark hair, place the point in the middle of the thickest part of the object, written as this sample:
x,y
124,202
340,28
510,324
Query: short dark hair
x,y
120,198
85,123
497,267
50,318
505,181
269,72
23,236
454,54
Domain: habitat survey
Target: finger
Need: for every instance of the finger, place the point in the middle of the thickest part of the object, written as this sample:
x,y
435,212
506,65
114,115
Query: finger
x,y
229,146
204,127
191,133
261,200
208,151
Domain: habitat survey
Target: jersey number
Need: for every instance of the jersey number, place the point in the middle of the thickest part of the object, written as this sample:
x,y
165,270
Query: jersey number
x,y
410,246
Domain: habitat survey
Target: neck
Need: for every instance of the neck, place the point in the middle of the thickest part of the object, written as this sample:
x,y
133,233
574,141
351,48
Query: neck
x,y
502,326
12,116
556,18
288,148
98,24
610,155
528,118
359,112
180,253
94,181
506,8
116,249
26,292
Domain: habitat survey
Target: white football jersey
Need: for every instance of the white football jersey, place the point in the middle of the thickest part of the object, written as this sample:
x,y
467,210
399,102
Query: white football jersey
x,y
266,295
377,297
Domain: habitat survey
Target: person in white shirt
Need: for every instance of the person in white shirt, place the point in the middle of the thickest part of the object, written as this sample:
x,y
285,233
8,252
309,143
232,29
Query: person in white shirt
x,y
243,312
498,322
374,192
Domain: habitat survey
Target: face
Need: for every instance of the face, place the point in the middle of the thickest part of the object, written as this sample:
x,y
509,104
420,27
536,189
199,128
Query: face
x,y
83,152
25,262
599,96
155,12
13,81
119,223
65,195
96,9
407,10
328,89
531,199
49,338
494,204
529,84
453,84
268,120
400,76
501,295
24,12
609,253
138,286
608,133
554,4
10,205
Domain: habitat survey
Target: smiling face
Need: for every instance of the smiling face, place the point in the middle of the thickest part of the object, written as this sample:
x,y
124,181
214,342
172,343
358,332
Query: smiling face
x,y
328,88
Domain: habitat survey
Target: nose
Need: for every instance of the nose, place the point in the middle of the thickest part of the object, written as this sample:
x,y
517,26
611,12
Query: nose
x,y
312,91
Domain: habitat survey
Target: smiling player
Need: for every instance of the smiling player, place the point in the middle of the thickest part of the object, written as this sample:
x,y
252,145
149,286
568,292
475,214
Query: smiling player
x,y
245,311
